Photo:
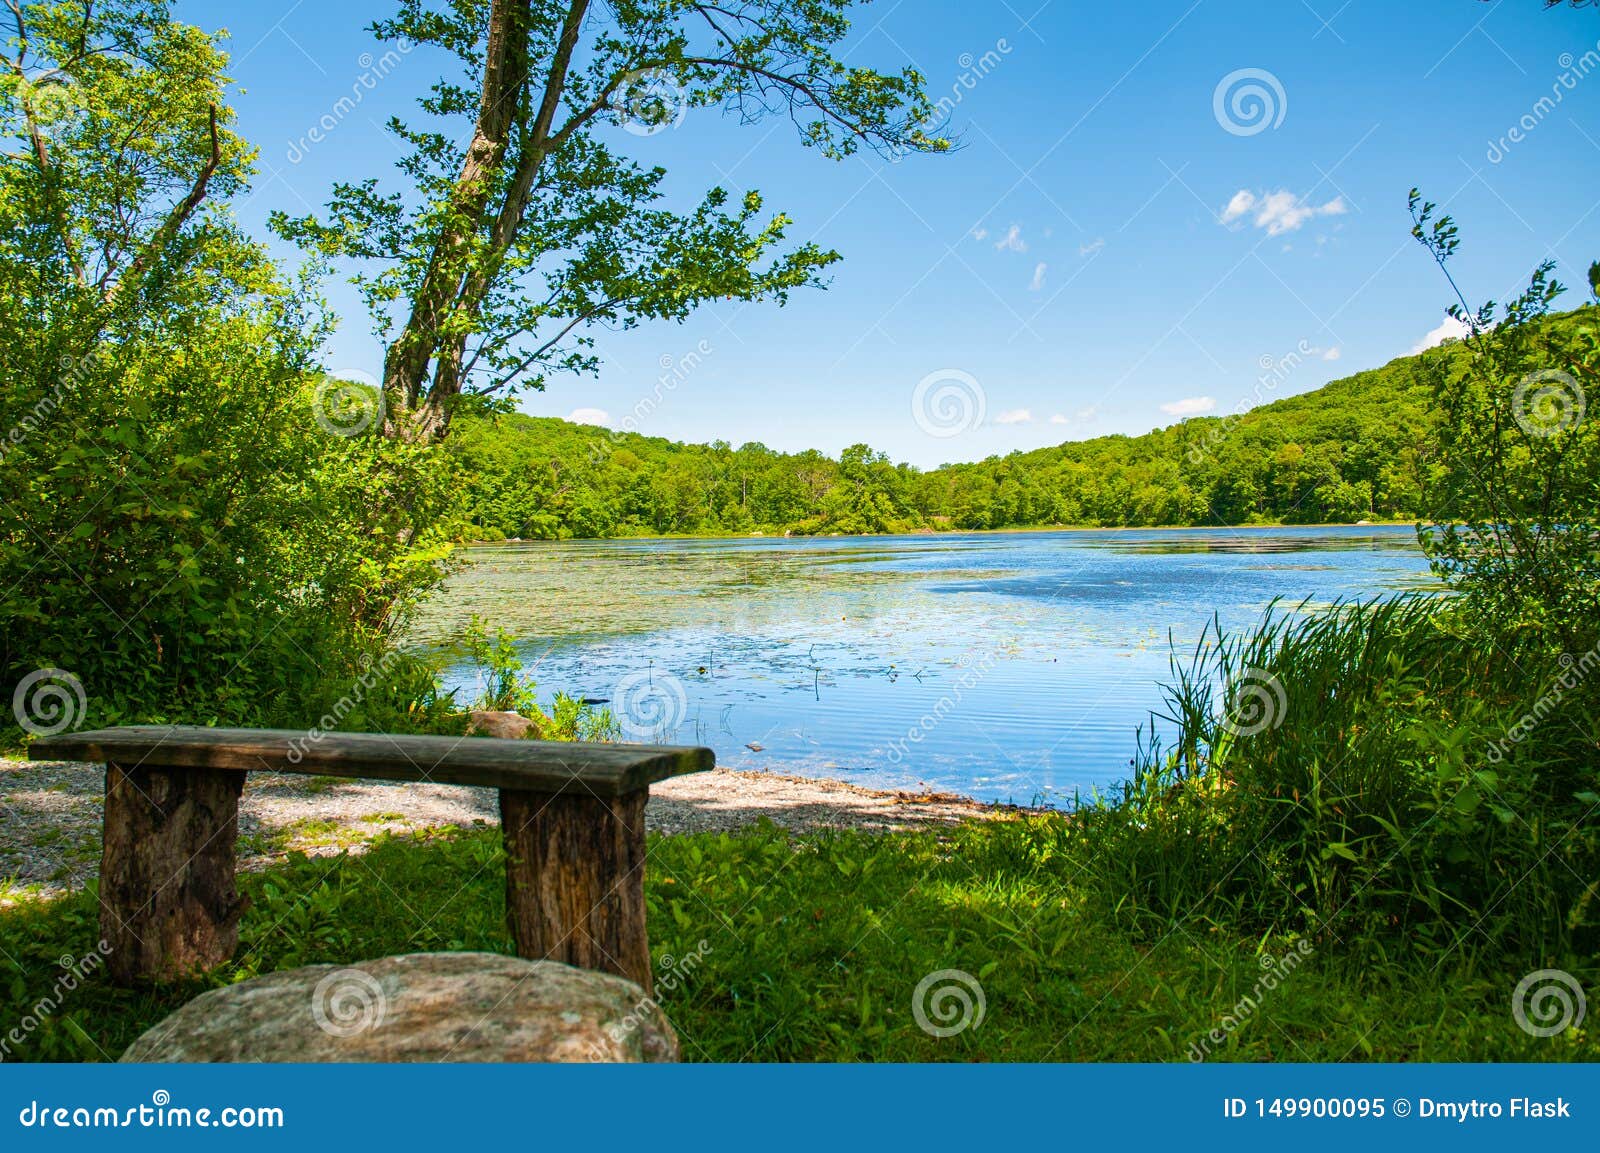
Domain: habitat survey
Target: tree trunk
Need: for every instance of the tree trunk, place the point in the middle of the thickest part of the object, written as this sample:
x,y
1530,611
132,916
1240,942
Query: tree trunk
x,y
505,73
575,880
457,278
169,906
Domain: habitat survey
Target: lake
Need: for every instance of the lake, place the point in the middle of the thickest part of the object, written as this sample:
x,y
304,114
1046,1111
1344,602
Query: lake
x,y
1023,663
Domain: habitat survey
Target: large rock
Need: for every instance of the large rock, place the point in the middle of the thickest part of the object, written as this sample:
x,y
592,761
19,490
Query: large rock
x,y
514,726
419,1007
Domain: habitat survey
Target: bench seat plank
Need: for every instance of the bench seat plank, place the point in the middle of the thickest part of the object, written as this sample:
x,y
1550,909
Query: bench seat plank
x,y
572,819
601,770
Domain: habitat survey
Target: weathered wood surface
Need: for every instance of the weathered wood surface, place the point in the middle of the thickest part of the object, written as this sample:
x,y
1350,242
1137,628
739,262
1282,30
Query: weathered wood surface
x,y
590,768
572,816
169,906
575,880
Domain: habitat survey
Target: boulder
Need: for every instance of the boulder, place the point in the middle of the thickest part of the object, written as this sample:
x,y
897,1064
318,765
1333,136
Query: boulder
x,y
418,1007
513,726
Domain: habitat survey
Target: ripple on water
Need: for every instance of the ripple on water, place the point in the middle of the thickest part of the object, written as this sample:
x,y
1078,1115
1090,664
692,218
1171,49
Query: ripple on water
x,y
1007,666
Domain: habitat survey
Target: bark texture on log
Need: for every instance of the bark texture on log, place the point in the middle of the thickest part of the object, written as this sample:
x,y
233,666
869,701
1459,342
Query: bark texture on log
x,y
575,880
169,905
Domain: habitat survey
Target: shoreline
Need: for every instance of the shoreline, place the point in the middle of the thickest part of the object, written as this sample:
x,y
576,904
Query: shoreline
x,y
1009,530
50,813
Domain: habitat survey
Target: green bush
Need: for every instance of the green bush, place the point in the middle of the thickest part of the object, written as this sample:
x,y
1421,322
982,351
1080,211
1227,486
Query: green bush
x,y
502,686
194,524
186,540
1514,495
1419,772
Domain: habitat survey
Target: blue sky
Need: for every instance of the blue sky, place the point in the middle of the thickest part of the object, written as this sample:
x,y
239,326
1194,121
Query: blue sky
x,y
1114,246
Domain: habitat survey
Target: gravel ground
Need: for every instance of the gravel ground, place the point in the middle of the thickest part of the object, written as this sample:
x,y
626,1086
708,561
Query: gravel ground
x,y
50,814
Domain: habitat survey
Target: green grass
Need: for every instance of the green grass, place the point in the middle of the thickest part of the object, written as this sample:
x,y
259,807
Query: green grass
x,y
1350,772
813,948
1357,827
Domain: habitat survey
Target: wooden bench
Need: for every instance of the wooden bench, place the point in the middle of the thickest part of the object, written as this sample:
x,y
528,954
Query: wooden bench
x,y
572,816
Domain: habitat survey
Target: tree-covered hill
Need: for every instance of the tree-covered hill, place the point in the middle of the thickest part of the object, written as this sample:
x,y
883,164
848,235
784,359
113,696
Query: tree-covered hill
x,y
1354,449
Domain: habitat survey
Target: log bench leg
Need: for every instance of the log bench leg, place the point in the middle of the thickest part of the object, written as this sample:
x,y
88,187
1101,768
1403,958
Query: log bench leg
x,y
169,905
575,880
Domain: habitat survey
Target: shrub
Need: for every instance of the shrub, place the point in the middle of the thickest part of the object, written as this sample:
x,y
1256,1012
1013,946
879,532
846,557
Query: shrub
x,y
1371,772
191,527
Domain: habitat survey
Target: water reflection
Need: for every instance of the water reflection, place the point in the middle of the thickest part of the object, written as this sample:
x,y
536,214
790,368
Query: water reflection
x,y
1024,661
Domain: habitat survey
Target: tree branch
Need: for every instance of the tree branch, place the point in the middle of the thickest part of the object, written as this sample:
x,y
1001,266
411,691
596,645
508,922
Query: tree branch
x,y
792,83
538,353
177,218
41,154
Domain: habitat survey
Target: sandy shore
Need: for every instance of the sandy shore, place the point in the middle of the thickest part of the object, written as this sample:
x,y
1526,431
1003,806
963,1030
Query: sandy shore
x,y
50,814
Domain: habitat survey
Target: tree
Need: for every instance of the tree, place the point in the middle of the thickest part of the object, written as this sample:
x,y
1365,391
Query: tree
x,y
117,136
183,526
1515,496
507,252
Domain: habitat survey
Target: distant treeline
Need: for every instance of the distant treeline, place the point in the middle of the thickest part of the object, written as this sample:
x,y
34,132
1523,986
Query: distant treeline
x,y
1352,450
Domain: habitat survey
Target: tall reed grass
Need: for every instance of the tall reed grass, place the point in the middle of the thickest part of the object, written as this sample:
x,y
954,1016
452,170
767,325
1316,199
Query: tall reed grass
x,y
1378,774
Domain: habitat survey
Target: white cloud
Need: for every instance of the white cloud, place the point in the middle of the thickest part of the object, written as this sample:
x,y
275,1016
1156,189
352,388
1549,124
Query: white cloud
x,y
1189,406
1451,329
1092,247
1332,353
1015,416
589,416
1277,212
1038,277
1012,241
1243,200
980,233
1057,418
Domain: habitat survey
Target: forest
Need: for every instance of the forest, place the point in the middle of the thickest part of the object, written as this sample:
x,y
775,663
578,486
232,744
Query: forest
x,y
1356,449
